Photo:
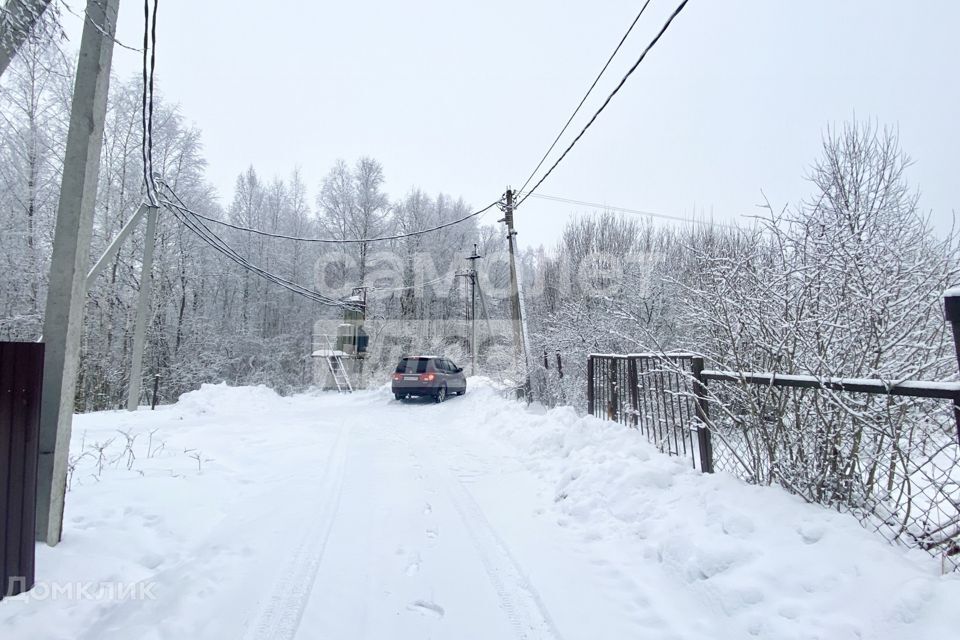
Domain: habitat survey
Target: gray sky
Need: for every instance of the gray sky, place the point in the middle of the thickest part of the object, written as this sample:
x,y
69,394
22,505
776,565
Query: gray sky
x,y
465,98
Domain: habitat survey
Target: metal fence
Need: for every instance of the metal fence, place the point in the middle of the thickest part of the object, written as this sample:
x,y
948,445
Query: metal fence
x,y
660,395
887,453
21,373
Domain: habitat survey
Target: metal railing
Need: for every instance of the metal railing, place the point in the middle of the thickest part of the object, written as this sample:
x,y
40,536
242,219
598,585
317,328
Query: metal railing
x,y
889,453
660,395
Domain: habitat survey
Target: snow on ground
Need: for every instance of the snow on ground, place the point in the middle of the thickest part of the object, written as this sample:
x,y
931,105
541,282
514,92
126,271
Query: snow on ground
x,y
240,514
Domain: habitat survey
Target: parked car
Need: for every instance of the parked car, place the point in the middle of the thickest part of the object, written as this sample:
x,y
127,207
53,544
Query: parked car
x,y
428,376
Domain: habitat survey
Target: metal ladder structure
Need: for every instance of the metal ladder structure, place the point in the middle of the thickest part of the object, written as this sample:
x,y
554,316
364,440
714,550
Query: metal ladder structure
x,y
339,372
334,357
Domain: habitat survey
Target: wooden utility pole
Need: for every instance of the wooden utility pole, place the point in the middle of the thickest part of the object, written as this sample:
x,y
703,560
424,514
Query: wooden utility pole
x,y
63,320
516,313
16,22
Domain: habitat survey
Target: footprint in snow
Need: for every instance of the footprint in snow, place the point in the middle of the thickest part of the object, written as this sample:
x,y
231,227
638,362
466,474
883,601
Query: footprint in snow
x,y
426,608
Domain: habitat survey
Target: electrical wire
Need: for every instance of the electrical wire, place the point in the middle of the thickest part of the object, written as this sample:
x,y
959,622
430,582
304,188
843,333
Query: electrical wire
x,y
649,214
221,246
143,106
153,66
586,95
619,86
147,98
198,227
97,26
281,236
422,285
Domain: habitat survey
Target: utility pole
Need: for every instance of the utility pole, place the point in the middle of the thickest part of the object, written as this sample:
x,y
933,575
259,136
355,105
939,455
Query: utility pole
x,y
520,347
473,309
143,308
17,21
63,320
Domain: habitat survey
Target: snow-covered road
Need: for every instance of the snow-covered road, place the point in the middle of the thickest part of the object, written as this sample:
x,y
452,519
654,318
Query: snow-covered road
x,y
247,515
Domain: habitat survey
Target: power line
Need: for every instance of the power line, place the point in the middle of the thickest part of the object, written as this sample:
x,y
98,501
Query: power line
x,y
145,145
623,81
282,236
586,95
221,246
97,26
649,214
422,285
153,66
197,226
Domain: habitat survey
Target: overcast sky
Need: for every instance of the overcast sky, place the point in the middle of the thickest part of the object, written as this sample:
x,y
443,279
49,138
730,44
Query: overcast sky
x,y
465,97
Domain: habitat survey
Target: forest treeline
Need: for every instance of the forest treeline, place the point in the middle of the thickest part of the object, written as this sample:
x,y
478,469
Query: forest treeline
x,y
210,319
845,282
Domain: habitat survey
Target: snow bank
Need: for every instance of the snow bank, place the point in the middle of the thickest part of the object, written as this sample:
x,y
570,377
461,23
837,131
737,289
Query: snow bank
x,y
212,500
776,566
220,399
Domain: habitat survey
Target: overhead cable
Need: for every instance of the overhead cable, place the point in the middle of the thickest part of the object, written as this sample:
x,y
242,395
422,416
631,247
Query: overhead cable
x,y
649,214
397,236
586,95
603,106
221,246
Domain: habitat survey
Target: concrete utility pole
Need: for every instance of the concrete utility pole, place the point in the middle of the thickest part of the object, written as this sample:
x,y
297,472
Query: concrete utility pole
x,y
473,309
63,321
18,19
520,348
143,310
114,246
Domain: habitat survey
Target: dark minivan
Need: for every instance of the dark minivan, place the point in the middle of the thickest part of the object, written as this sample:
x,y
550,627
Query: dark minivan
x,y
428,376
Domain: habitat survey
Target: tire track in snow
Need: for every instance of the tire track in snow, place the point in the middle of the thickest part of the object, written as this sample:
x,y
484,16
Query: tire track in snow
x,y
279,618
519,600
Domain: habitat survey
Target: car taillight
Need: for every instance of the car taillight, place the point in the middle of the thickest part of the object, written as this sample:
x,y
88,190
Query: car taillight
x,y
427,377
398,376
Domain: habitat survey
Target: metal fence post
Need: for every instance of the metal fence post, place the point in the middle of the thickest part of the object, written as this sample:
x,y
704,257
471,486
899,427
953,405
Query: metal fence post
x,y
590,365
951,310
613,407
634,383
702,408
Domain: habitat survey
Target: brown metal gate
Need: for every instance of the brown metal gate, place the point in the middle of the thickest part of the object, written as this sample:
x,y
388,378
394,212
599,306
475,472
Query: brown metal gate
x,y
21,374
662,395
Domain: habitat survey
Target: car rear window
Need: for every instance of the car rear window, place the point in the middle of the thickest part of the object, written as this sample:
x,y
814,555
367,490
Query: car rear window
x,y
413,365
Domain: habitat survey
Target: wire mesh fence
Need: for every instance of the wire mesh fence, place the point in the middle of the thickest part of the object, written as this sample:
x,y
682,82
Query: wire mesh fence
x,y
893,462
887,454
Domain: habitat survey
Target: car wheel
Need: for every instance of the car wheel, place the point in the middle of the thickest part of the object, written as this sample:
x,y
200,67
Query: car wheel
x,y
398,396
441,394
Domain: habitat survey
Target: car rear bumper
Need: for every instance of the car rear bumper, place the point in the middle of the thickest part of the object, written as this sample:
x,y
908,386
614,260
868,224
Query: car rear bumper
x,y
415,388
